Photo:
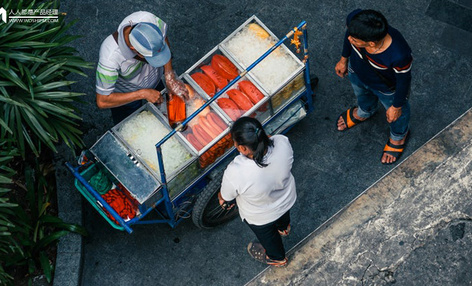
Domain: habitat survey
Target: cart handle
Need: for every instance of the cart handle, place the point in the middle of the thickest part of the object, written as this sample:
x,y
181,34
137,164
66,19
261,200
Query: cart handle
x,y
97,196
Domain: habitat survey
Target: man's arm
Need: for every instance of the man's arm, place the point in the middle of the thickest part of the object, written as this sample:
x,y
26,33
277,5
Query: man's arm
x,y
173,83
116,99
341,67
403,82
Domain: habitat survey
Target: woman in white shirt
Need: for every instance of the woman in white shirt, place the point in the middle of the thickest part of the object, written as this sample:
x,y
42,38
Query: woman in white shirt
x,y
261,182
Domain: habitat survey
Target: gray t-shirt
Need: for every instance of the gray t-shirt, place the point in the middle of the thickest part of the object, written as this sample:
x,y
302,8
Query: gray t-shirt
x,y
263,194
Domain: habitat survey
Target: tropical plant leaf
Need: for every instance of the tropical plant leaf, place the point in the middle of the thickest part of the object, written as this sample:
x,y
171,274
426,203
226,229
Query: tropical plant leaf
x,y
12,76
51,238
46,265
52,85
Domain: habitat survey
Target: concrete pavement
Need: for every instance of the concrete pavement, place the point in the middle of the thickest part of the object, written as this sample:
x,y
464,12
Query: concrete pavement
x,y
412,227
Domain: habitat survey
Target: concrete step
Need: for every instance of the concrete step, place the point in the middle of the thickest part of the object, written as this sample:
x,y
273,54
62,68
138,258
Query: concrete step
x,y
413,225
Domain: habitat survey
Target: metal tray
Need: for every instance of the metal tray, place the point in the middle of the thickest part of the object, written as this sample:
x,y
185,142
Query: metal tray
x,y
176,140
223,47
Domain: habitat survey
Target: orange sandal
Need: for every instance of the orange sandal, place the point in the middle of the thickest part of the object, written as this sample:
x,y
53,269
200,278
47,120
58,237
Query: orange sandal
x,y
395,150
349,119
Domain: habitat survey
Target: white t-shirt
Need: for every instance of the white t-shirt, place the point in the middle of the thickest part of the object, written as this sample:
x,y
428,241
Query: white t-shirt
x,y
263,194
118,70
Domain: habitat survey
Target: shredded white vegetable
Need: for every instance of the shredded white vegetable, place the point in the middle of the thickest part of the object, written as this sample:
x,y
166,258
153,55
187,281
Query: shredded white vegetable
x,y
143,131
274,70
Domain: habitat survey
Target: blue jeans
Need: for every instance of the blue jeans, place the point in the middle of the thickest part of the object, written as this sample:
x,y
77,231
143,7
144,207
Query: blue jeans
x,y
367,100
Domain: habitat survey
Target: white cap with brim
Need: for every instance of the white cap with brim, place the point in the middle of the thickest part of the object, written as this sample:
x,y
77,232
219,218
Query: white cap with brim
x,y
147,39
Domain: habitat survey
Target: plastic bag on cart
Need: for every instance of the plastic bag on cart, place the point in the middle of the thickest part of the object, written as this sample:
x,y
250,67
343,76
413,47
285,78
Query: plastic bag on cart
x,y
290,116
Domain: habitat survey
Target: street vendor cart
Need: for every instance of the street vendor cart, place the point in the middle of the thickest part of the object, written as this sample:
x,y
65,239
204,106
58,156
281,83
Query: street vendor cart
x,y
154,167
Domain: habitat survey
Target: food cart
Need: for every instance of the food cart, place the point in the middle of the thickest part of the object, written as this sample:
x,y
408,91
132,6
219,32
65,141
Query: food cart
x,y
148,169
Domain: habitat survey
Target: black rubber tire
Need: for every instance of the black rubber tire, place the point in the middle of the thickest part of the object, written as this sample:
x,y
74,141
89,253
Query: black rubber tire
x,y
207,212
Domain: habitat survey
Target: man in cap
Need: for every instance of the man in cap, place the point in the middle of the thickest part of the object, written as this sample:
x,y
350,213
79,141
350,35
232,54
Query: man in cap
x,y
132,63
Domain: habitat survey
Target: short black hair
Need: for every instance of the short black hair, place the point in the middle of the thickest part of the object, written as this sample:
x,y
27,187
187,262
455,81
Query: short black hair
x,y
248,131
368,26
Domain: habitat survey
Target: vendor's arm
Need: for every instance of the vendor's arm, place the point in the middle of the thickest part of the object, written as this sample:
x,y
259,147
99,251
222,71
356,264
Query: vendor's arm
x,y
173,83
106,97
402,88
116,99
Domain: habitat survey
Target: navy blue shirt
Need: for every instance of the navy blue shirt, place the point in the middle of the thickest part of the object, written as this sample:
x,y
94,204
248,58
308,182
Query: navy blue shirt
x,y
394,64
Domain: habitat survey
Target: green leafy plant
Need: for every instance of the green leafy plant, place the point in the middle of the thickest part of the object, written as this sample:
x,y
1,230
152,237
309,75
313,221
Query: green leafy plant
x,y
7,243
35,228
36,104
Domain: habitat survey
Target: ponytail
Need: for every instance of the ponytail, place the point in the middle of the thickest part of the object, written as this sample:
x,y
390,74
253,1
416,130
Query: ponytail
x,y
248,131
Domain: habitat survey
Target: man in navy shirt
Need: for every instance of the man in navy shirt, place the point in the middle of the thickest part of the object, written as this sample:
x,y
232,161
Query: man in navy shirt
x,y
377,60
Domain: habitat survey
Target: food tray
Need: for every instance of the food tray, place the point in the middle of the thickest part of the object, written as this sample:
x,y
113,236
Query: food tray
x,y
254,45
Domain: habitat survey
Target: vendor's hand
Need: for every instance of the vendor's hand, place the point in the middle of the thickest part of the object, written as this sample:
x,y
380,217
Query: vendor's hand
x,y
341,68
224,204
393,113
175,85
151,95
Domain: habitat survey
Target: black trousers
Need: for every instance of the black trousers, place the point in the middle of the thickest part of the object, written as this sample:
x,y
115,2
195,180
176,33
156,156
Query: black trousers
x,y
269,236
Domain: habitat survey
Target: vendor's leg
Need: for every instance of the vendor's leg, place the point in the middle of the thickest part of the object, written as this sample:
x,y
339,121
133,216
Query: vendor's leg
x,y
121,112
367,101
270,239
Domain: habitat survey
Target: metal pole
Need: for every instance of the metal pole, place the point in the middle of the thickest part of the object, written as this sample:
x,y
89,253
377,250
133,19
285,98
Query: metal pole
x,y
165,191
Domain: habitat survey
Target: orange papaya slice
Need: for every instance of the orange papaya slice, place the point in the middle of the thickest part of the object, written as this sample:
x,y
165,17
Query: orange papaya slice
x,y
241,100
204,82
249,89
229,107
176,110
217,79
224,67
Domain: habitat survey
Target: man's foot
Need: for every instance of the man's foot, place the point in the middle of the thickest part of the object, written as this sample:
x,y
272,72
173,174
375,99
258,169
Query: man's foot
x,y
393,150
349,119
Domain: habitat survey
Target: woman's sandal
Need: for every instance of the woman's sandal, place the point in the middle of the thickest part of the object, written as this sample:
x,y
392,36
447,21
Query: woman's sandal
x,y
349,119
257,251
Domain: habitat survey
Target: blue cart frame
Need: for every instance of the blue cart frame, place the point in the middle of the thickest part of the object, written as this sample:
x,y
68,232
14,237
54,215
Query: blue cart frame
x,y
167,207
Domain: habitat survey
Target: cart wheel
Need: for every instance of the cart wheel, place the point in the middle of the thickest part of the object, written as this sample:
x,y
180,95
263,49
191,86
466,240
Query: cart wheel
x,y
207,212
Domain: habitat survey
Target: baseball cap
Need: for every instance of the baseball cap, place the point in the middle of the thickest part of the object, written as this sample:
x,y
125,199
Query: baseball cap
x,y
147,39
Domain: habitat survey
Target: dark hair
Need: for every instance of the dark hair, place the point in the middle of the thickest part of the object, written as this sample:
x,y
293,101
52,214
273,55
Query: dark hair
x,y
248,131
368,26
